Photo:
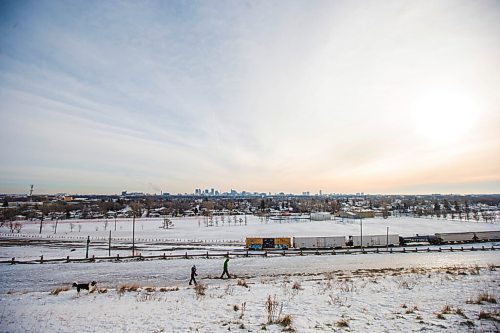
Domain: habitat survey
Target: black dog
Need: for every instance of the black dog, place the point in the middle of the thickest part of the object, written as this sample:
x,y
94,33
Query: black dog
x,y
81,286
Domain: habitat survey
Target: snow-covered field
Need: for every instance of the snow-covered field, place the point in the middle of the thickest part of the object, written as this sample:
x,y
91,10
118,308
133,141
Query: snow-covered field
x,y
434,292
151,239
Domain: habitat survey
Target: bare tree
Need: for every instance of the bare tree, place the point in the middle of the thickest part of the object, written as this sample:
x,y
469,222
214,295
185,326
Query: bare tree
x,y
167,224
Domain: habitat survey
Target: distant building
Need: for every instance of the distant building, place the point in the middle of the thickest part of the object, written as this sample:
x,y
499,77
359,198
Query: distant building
x,y
321,216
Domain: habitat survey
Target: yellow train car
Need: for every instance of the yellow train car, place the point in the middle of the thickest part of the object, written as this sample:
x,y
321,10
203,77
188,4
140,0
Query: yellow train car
x,y
283,243
254,243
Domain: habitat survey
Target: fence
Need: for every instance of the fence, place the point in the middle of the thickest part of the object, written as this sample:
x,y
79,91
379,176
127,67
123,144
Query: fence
x,y
247,253
123,239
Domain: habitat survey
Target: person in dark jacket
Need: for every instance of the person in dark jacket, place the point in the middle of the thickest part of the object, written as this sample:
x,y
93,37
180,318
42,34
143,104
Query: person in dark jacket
x,y
225,270
193,274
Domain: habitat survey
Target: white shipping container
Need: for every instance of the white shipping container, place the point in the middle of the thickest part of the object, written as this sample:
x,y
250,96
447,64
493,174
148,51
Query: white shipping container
x,y
376,240
319,242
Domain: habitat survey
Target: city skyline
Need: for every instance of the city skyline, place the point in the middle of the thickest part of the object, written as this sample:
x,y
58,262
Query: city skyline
x,y
388,97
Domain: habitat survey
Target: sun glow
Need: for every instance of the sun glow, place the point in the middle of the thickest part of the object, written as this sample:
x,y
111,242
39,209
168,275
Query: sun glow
x,y
445,117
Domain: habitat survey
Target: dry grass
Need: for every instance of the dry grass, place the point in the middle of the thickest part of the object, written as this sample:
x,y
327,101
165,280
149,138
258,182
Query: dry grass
x,y
242,283
488,315
150,289
346,286
342,323
460,312
200,290
296,286
328,278
128,287
164,289
483,297
236,307
273,309
286,321
411,310
474,270
338,300
243,308
57,290
492,267
440,316
446,309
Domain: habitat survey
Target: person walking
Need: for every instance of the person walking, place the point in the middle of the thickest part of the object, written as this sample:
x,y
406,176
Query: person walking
x,y
193,274
225,270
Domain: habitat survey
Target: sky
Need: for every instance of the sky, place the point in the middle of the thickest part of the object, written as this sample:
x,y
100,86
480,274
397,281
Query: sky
x,y
391,97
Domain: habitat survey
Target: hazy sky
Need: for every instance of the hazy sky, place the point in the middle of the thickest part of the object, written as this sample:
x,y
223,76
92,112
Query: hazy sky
x,y
343,96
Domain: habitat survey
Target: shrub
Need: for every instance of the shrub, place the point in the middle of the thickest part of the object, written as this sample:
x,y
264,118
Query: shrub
x,y
446,309
411,310
273,309
482,297
286,321
460,312
57,290
486,315
200,290
486,297
342,323
243,283
243,308
296,286
128,287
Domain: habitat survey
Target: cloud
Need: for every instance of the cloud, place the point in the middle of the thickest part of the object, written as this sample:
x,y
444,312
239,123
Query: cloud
x,y
264,96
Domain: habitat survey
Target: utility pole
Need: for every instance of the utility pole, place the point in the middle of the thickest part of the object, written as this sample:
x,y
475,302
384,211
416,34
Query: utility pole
x,y
88,244
133,236
41,221
361,233
387,239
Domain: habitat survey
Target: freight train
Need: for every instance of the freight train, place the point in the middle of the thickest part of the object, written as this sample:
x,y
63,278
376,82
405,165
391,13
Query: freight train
x,y
332,242
337,242
453,238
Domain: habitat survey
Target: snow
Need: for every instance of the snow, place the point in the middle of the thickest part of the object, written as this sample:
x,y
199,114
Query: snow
x,y
191,231
369,292
352,288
